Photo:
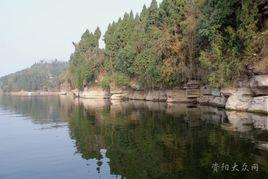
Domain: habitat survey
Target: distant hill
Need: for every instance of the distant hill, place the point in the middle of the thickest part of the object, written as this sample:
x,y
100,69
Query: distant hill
x,y
43,76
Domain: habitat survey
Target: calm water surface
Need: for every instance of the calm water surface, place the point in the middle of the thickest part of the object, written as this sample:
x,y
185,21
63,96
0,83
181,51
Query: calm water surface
x,y
59,137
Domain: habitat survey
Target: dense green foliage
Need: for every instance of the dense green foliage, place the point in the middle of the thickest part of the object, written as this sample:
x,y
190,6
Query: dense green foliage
x,y
168,44
148,46
40,76
229,31
116,79
85,61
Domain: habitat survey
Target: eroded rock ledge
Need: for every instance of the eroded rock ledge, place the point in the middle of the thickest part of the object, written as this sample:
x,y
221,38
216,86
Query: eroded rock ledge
x,y
251,95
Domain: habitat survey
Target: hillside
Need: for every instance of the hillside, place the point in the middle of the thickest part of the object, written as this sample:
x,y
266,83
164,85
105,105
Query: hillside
x,y
43,76
168,44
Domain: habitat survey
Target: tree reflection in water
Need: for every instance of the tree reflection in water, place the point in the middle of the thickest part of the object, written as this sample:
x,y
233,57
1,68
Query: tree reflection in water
x,y
156,140
137,139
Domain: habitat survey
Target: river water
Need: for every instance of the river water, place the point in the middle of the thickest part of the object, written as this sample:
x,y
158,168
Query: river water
x,y
60,137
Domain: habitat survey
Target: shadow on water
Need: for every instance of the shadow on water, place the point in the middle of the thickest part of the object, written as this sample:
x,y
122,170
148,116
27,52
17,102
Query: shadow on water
x,y
157,140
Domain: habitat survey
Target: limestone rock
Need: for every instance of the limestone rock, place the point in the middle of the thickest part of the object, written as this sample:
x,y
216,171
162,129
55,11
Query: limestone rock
x,y
118,96
259,84
240,100
137,95
94,93
156,95
177,95
218,101
116,91
215,92
205,99
228,91
259,104
205,90
193,93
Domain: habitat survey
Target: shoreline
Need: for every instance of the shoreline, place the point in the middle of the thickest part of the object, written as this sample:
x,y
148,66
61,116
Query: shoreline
x,y
231,100
214,99
33,93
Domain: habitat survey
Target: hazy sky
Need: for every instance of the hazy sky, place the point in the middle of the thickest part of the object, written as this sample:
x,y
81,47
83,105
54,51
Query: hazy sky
x,y
33,30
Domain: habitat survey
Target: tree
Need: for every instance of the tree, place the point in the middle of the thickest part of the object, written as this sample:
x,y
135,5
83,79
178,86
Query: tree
x,y
152,15
125,59
180,40
40,76
87,58
97,35
228,32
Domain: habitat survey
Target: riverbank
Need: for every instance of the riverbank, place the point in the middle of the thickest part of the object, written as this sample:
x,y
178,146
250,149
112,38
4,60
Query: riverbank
x,y
249,95
34,93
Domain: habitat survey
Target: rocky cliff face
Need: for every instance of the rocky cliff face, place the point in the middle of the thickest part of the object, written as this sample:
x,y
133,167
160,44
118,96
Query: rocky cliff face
x,y
94,93
253,98
259,85
212,97
249,94
240,99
